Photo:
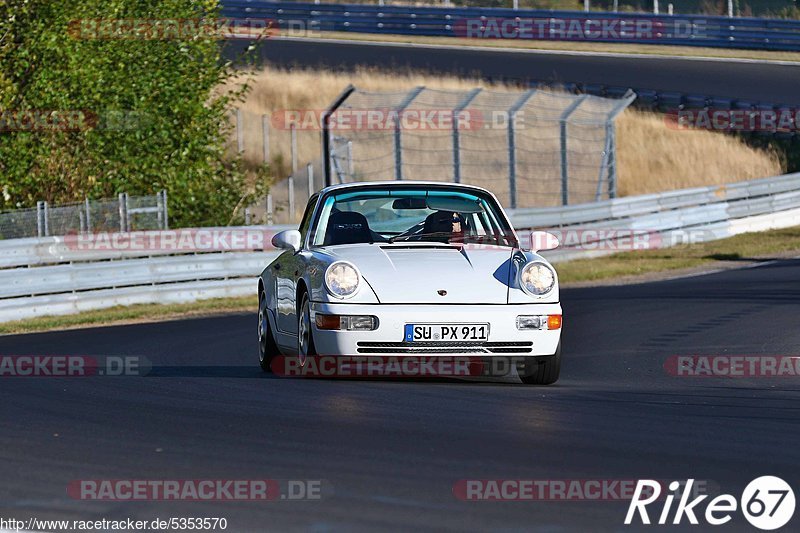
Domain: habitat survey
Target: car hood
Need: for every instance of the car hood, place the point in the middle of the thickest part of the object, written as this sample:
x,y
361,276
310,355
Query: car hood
x,y
416,273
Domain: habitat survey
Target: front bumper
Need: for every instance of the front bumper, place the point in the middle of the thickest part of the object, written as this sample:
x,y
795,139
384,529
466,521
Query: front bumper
x,y
504,337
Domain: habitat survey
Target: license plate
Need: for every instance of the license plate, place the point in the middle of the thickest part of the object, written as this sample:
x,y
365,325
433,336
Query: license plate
x,y
446,332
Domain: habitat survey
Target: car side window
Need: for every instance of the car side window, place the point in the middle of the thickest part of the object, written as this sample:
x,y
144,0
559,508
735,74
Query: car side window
x,y
306,222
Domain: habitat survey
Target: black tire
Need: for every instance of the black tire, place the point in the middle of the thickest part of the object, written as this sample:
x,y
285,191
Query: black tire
x,y
267,349
305,346
542,370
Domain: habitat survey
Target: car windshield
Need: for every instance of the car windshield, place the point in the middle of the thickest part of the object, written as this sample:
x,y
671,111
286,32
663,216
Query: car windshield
x,y
394,215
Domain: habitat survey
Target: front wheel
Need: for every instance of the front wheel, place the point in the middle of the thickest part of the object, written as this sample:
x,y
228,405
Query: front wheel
x,y
267,349
305,340
540,370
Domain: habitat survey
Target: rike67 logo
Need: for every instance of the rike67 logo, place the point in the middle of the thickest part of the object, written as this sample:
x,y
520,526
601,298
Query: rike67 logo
x,y
767,503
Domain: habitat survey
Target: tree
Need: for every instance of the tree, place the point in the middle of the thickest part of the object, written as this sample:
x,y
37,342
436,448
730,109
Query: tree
x,y
150,116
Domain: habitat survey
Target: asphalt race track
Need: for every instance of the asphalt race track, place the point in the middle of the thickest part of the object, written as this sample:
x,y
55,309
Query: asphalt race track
x,y
391,451
757,81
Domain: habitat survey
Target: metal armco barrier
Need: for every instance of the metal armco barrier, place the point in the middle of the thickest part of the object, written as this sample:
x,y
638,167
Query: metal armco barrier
x,y
675,217
53,276
497,23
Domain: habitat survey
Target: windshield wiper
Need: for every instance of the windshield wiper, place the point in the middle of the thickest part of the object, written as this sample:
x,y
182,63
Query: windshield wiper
x,y
428,234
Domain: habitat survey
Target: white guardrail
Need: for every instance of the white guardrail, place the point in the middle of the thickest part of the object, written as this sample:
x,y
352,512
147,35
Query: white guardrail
x,y
63,275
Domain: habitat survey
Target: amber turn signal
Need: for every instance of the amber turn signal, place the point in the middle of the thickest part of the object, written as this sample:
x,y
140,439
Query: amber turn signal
x,y
553,321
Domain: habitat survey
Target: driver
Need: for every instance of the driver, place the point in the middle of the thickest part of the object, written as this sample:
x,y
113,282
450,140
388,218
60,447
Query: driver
x,y
445,226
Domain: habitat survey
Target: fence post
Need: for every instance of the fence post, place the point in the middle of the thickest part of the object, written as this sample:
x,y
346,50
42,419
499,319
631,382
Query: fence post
x,y
564,156
456,139
512,146
398,145
293,132
239,132
159,210
40,231
612,161
291,198
88,208
127,214
166,208
327,157
123,215
161,207
269,209
310,174
46,219
265,132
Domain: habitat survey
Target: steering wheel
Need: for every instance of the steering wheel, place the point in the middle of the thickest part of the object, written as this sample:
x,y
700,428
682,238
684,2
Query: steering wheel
x,y
410,231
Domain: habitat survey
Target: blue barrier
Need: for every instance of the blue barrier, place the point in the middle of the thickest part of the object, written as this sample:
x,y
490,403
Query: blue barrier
x,y
500,23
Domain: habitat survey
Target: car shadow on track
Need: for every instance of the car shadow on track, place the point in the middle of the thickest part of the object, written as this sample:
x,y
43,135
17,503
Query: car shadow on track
x,y
253,372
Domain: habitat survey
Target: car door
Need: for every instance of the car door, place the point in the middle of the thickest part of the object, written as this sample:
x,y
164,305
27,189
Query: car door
x,y
288,269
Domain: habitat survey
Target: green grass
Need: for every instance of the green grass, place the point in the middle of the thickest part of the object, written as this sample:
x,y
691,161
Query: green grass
x,y
742,249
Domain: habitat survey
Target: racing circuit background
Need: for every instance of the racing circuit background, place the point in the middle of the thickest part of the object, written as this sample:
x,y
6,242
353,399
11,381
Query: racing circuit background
x,y
178,400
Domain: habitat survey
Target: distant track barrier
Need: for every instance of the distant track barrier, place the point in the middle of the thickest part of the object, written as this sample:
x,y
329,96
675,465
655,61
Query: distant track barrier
x,y
524,24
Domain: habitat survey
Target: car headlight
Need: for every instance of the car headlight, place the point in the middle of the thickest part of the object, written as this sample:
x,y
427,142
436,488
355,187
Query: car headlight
x,y
342,279
537,279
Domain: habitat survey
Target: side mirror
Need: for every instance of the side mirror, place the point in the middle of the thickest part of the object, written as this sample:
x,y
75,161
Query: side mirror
x,y
543,240
287,240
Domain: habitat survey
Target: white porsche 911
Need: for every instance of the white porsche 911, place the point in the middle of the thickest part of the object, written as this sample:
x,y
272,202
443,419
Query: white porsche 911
x,y
401,267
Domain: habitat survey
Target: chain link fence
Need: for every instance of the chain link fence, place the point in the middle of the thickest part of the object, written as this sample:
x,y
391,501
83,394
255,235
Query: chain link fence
x,y
531,148
125,213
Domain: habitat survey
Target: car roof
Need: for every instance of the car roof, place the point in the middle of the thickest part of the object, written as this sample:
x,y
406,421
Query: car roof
x,y
401,184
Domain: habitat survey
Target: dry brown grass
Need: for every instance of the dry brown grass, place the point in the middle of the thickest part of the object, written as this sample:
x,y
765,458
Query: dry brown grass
x,y
651,156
